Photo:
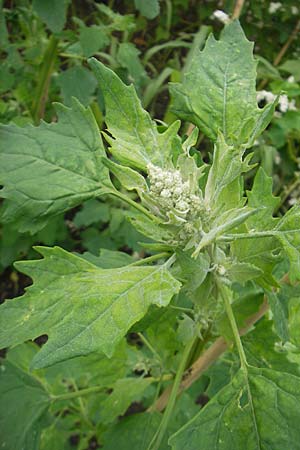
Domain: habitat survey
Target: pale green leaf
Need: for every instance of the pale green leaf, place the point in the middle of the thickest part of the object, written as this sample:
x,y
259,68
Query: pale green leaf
x,y
261,196
82,308
135,141
128,57
129,178
48,169
218,92
259,414
23,408
227,167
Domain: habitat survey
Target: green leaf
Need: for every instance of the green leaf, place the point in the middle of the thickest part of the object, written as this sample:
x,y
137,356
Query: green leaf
x,y
128,57
23,408
147,8
76,82
108,259
261,196
136,141
93,39
279,307
245,416
51,168
218,92
129,178
133,432
226,168
52,12
288,233
101,305
125,391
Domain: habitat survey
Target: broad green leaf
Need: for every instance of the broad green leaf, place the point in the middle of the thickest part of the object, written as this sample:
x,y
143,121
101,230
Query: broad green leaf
x,y
262,350
23,408
135,141
245,415
148,8
261,196
288,233
52,12
227,167
294,315
218,92
101,305
92,212
48,169
125,391
79,82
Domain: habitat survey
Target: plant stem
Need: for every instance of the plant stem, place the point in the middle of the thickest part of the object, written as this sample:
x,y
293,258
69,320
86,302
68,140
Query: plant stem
x,y
158,437
237,9
151,348
135,205
228,308
207,359
41,94
76,394
150,259
282,52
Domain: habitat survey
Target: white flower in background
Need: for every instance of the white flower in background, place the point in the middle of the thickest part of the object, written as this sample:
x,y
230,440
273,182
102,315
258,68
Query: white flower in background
x,y
284,104
221,16
291,79
294,10
265,95
274,6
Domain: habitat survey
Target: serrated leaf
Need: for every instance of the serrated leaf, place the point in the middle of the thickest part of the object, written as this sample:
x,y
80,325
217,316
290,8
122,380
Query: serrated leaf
x,y
101,305
23,408
218,93
245,416
261,196
136,141
226,168
48,169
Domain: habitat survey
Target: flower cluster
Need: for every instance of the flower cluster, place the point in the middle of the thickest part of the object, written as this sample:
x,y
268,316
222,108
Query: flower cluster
x,y
172,193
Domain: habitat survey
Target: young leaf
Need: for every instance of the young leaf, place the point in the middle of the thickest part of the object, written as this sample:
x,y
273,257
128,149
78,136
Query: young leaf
x,y
129,178
261,196
226,168
48,169
23,408
136,141
243,416
218,93
82,308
